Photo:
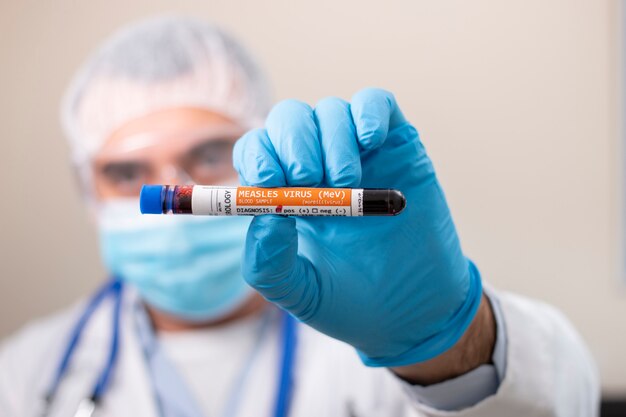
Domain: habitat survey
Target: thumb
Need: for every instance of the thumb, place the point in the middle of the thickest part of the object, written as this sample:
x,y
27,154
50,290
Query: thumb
x,y
272,266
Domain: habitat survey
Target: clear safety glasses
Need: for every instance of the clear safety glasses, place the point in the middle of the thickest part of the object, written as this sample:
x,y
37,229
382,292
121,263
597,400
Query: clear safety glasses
x,y
199,156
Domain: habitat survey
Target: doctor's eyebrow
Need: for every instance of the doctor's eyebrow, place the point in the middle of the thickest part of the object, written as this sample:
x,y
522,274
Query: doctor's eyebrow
x,y
124,170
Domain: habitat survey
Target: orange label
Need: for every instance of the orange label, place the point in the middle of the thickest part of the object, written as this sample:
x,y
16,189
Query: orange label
x,y
293,196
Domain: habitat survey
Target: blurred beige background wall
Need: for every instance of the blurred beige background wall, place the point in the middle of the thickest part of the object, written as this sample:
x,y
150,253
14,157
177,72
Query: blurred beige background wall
x,y
517,102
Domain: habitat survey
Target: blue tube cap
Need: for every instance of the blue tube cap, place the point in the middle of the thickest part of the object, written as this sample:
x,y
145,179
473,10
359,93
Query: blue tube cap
x,y
151,199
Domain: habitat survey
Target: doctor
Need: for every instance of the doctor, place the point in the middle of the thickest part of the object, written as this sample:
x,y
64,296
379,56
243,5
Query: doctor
x,y
320,317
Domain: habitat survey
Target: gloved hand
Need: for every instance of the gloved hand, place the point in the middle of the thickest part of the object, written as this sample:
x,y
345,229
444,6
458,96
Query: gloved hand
x,y
398,289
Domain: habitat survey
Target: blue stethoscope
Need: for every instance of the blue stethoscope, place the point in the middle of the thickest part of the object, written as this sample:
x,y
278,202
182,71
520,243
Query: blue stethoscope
x,y
113,288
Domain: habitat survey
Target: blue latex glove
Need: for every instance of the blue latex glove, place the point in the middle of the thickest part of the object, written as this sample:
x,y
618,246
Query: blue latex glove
x,y
398,289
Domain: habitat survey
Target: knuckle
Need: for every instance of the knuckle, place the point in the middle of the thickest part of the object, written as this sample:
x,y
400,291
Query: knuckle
x,y
374,95
331,102
286,108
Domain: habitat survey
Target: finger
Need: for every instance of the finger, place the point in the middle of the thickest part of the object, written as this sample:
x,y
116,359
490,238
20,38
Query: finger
x,y
375,113
292,131
338,141
271,265
256,161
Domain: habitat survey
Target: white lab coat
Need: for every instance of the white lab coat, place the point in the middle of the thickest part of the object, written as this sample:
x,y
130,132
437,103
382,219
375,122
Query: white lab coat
x,y
549,372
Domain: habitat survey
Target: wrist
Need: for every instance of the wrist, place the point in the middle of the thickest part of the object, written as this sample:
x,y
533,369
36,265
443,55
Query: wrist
x,y
472,350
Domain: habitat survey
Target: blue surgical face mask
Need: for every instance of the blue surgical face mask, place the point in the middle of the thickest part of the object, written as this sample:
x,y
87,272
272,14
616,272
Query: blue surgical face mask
x,y
183,265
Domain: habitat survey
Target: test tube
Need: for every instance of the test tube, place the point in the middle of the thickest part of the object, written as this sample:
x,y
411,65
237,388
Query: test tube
x,y
208,200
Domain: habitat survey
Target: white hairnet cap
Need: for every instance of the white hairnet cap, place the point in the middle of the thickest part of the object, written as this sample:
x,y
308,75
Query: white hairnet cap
x,y
160,63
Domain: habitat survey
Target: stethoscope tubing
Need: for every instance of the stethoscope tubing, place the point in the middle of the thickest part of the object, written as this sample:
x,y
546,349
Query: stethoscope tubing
x,y
114,288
